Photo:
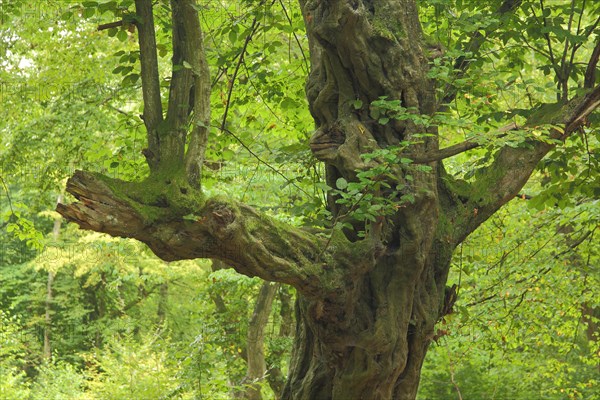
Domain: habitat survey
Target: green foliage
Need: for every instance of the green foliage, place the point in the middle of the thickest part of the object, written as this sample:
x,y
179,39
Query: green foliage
x,y
58,381
23,229
14,384
131,369
570,174
383,110
125,325
376,192
520,327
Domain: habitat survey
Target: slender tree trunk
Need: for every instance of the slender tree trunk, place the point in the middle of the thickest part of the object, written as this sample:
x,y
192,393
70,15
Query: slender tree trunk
x,y
255,351
275,376
163,298
47,352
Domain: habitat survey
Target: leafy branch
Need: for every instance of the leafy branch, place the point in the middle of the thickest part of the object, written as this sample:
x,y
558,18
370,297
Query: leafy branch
x,y
377,192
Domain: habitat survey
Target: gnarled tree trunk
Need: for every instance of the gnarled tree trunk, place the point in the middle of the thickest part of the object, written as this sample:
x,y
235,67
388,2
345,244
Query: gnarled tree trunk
x,y
367,306
369,342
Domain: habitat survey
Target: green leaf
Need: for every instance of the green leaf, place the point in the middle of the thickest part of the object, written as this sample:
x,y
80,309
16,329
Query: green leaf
x,y
341,183
232,35
323,186
130,79
122,35
89,12
228,154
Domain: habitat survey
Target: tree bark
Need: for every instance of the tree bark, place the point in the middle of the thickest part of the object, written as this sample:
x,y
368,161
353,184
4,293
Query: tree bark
x,y
47,352
286,326
163,299
375,346
257,367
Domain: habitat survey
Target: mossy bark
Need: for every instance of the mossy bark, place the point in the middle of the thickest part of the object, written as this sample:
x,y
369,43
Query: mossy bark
x,y
370,342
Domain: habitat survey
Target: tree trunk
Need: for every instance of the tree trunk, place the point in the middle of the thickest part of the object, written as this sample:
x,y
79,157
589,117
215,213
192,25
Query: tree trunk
x,y
163,298
370,342
274,374
255,351
47,352
374,346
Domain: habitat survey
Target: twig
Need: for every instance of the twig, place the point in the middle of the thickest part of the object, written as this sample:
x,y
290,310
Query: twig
x,y
253,28
111,25
253,154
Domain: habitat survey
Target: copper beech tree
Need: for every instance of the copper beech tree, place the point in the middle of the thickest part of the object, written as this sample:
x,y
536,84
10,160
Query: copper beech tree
x,y
367,304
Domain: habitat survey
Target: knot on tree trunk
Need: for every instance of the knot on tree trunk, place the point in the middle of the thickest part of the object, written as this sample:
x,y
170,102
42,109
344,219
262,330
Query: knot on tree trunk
x,y
342,143
221,218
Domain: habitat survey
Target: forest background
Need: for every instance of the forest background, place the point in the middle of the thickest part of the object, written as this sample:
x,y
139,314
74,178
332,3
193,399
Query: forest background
x,y
83,315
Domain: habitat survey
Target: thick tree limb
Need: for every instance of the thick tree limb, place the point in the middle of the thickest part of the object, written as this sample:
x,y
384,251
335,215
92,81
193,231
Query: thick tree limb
x,y
252,243
173,135
189,92
201,87
495,185
590,72
150,82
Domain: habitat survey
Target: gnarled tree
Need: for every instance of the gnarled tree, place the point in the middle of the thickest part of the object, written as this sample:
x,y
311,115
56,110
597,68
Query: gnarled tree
x,y
370,295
